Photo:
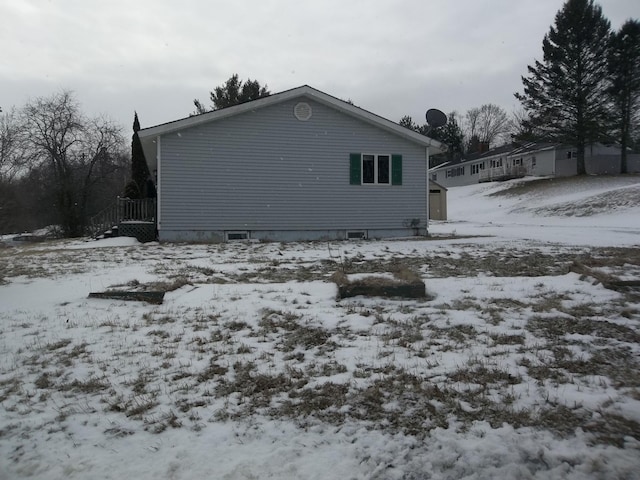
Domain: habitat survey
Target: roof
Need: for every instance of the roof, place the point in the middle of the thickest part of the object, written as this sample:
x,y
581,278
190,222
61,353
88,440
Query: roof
x,y
148,135
507,148
510,149
441,187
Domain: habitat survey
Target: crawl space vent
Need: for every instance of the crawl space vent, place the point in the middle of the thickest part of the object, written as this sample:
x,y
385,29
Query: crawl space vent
x,y
302,111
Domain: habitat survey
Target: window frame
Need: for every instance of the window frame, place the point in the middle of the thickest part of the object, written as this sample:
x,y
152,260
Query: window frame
x,y
476,168
376,168
356,167
458,171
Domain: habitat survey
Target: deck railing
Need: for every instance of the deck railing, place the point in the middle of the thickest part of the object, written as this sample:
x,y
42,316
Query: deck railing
x,y
123,210
502,173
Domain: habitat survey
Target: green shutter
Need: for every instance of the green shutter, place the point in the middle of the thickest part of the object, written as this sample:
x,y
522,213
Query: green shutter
x,y
396,169
355,169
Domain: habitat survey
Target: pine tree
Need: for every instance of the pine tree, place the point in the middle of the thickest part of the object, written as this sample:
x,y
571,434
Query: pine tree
x,y
233,92
565,94
139,169
624,69
451,135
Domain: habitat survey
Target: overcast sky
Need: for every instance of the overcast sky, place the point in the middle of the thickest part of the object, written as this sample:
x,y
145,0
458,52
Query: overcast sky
x,y
394,58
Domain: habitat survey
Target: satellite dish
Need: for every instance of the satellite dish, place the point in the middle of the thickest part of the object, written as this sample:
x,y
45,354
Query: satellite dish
x,y
435,118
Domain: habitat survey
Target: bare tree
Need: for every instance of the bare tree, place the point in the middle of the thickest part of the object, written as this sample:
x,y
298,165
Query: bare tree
x,y
12,152
487,124
520,127
78,152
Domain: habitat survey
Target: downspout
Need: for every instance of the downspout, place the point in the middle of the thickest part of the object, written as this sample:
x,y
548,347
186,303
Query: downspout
x,y
426,159
158,185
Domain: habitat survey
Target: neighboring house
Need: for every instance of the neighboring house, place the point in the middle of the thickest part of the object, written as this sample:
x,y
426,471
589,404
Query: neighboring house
x,y
536,159
297,165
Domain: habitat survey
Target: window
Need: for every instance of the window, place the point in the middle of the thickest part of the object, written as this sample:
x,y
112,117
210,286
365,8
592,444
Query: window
x,y
384,168
434,177
368,169
375,169
533,161
475,169
455,172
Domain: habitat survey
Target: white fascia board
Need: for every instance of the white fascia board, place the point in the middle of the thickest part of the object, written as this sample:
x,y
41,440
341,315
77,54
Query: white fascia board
x,y
438,167
304,91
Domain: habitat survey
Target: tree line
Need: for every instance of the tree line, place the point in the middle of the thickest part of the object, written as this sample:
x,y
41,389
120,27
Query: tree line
x,y
586,89
58,166
480,128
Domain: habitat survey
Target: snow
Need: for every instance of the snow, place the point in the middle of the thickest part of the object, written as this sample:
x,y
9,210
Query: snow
x,y
514,216
252,369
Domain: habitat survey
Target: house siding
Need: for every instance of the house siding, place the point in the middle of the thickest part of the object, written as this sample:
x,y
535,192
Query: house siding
x,y
545,163
550,161
275,176
633,162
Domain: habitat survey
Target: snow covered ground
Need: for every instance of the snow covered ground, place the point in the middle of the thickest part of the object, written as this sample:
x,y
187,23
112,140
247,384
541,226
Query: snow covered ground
x,y
523,362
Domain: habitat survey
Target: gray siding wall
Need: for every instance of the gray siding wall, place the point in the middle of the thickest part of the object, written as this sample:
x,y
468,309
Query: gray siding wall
x,y
633,162
267,171
603,164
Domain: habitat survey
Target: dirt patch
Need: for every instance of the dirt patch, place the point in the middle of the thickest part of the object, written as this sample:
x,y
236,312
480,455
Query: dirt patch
x,y
403,284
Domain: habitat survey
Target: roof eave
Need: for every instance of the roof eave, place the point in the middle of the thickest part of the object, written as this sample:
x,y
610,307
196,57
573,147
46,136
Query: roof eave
x,y
148,135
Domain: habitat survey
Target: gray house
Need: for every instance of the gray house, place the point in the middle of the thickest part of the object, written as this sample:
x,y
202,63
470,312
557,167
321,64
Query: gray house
x,y
297,165
535,159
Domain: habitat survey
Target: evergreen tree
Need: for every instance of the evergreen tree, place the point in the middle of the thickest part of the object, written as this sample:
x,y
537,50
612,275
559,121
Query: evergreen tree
x,y
233,92
407,122
624,69
451,135
565,94
140,175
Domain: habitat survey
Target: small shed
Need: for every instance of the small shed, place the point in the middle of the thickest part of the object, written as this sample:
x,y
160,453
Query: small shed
x,y
437,201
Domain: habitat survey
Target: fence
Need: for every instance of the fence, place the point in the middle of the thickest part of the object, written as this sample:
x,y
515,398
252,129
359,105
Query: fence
x,y
123,210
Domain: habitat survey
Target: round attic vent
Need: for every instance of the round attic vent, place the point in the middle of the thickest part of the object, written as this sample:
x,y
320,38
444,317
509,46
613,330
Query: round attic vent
x,y
302,111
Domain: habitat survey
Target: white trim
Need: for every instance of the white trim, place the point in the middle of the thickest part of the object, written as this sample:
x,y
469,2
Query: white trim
x,y
427,173
147,135
375,156
303,91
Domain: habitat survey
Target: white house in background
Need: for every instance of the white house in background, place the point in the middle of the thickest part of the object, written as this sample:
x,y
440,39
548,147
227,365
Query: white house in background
x,y
535,159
